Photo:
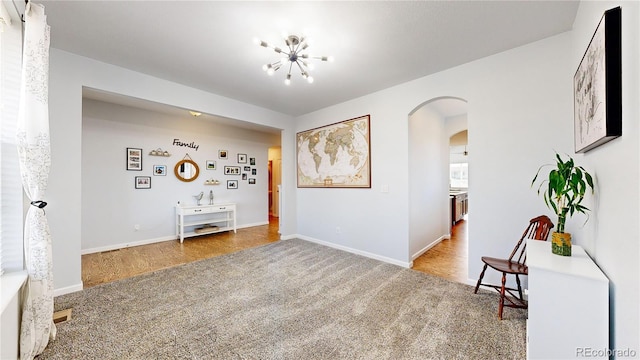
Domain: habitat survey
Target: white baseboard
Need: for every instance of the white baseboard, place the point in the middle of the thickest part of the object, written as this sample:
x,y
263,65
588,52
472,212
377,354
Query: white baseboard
x,y
253,224
68,289
288,237
426,248
126,245
151,241
407,265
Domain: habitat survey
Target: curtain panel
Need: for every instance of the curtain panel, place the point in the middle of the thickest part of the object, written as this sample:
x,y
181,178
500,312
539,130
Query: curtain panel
x,y
34,153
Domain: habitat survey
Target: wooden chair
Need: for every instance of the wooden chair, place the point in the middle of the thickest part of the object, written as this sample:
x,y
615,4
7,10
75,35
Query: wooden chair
x,y
538,229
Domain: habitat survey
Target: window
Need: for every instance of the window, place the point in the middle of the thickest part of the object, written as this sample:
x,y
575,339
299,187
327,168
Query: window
x,y
11,199
459,175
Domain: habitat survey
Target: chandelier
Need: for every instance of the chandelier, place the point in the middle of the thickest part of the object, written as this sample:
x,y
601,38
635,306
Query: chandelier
x,y
294,58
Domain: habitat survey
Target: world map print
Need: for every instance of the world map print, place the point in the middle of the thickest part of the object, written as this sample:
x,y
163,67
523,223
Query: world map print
x,y
335,155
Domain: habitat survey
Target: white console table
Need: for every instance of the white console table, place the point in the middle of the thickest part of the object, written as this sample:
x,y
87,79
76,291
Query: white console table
x,y
188,218
568,305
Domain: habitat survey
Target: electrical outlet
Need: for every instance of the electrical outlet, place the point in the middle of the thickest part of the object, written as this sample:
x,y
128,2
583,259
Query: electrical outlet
x,y
136,227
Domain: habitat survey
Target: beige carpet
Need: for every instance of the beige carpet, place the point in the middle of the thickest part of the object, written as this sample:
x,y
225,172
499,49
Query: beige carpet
x,y
287,300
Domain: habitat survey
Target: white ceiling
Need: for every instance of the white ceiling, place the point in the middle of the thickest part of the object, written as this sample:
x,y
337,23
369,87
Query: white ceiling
x,y
208,44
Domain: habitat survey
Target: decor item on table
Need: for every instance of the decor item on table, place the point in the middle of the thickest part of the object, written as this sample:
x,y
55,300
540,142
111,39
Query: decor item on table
x,y
210,197
335,156
242,158
143,182
566,186
232,184
211,165
597,86
291,56
198,197
160,170
223,154
134,159
159,152
232,170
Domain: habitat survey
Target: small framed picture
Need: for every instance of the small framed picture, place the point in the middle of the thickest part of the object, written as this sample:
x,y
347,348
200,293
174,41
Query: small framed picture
x,y
232,184
223,154
242,158
143,182
252,181
254,171
252,161
232,170
134,159
244,176
211,165
247,168
160,170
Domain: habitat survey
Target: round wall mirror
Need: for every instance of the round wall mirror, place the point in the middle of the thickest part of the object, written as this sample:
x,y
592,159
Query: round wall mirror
x,y
186,170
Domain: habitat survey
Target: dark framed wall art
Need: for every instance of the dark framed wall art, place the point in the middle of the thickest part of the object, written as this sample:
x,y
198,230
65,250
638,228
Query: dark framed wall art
x,y
143,182
597,86
134,159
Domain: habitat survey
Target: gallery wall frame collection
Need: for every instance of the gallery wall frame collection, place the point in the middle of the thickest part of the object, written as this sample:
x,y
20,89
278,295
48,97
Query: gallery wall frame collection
x,y
597,86
134,163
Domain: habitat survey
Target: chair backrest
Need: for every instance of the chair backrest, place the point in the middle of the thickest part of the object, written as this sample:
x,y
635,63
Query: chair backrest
x,y
538,229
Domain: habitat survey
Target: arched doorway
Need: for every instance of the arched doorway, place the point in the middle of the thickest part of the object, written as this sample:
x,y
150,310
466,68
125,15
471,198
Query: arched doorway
x,y
431,126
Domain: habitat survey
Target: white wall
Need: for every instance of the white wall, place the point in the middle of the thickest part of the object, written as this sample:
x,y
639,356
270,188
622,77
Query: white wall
x,y
524,92
428,180
612,233
68,74
111,206
520,112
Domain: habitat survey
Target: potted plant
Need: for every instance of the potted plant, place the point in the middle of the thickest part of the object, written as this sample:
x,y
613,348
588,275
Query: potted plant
x,y
563,191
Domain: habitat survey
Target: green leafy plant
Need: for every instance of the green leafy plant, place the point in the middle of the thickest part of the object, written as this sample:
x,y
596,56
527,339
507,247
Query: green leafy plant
x,y
564,189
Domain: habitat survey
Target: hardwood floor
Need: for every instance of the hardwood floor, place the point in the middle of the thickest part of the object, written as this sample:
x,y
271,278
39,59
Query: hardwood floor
x,y
113,265
447,259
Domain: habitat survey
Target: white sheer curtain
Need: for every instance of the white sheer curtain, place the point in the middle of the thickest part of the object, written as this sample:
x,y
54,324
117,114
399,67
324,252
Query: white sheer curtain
x,y
35,160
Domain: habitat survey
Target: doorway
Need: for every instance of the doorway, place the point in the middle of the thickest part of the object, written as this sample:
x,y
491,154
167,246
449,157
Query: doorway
x,y
438,235
275,179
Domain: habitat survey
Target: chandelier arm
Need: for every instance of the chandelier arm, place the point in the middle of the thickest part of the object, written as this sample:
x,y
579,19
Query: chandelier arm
x,y
290,46
300,66
290,66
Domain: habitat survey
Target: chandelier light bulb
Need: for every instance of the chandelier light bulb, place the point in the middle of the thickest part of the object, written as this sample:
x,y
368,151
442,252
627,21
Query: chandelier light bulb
x,y
287,81
310,79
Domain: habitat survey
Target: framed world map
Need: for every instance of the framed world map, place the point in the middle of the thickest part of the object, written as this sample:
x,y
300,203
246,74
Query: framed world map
x,y
335,156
